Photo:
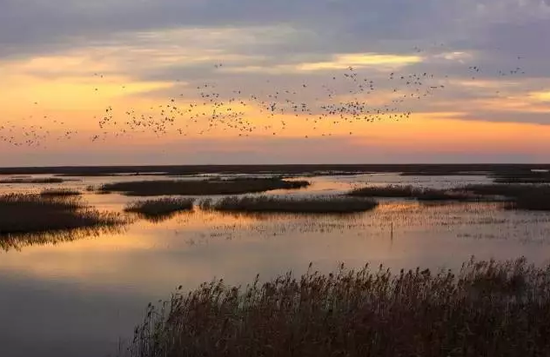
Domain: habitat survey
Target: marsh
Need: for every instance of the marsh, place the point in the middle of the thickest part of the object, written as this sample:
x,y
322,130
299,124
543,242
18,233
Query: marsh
x,y
107,279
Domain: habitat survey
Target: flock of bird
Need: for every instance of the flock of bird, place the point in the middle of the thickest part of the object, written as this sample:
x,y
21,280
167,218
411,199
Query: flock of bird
x,y
345,97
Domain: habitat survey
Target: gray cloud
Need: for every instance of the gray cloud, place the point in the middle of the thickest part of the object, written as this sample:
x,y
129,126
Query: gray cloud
x,y
344,25
491,34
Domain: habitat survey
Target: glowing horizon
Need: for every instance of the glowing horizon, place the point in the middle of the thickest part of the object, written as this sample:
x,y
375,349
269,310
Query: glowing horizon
x,y
466,100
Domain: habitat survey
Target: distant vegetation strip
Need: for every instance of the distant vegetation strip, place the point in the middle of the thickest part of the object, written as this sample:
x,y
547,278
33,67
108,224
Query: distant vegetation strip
x,y
485,309
201,187
274,204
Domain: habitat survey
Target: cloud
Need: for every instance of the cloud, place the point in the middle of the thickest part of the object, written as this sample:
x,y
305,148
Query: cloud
x,y
170,47
332,25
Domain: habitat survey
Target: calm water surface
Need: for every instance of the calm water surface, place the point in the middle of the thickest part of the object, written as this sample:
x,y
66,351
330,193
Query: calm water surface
x,y
83,298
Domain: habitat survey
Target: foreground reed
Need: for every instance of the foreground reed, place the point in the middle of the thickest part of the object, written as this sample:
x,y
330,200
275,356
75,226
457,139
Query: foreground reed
x,y
486,309
201,187
274,204
22,214
160,208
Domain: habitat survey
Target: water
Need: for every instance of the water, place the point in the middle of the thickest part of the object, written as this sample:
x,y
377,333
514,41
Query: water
x,y
83,298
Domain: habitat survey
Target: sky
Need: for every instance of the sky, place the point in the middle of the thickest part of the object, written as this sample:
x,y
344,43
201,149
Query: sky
x,y
114,82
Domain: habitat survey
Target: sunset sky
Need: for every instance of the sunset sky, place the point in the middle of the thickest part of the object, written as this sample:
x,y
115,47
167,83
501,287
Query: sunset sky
x,y
65,65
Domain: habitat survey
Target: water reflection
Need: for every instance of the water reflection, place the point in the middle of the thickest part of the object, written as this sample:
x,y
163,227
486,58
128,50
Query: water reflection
x,y
19,241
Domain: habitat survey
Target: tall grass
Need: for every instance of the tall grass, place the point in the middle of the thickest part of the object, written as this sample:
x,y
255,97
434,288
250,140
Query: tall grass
x,y
486,309
160,208
201,187
273,204
22,214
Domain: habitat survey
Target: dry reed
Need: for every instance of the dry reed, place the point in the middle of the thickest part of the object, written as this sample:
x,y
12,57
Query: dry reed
x,y
486,309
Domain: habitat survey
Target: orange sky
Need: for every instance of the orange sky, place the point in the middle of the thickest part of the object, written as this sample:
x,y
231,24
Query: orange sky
x,y
52,105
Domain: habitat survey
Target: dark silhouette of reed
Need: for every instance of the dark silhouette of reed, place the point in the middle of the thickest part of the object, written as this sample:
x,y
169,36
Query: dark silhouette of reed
x,y
201,187
485,309
157,209
23,214
274,204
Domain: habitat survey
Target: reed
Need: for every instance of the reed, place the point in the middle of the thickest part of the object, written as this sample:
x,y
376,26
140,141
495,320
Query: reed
x,y
534,201
384,191
201,187
160,208
22,214
485,309
421,194
533,197
274,204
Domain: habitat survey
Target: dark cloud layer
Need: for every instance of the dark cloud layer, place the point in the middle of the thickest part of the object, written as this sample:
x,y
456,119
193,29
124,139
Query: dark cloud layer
x,y
336,25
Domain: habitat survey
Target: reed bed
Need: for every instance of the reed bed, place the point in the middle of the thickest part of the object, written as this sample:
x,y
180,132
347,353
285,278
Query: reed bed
x,y
395,191
22,214
430,194
485,309
59,192
422,194
504,190
274,204
201,187
534,197
524,176
160,208
534,201
514,180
